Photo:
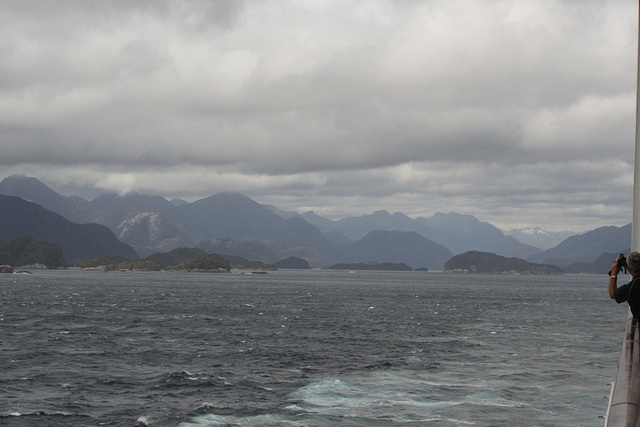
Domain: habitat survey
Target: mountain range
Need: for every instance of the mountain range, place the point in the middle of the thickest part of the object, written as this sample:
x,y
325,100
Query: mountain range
x,y
77,241
233,224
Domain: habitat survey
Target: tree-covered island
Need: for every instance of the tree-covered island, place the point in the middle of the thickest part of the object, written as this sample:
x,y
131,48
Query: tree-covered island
x,y
28,252
379,266
484,262
179,259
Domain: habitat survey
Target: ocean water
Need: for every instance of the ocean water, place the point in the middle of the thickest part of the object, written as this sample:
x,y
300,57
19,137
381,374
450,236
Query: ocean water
x,y
306,348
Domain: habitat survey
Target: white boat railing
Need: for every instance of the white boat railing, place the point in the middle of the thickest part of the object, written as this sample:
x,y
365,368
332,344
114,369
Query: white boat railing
x,y
624,402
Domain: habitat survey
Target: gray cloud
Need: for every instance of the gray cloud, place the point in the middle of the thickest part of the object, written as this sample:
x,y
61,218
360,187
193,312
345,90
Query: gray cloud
x,y
518,112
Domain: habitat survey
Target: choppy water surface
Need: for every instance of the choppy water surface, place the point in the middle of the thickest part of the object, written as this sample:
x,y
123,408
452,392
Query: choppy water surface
x,y
306,348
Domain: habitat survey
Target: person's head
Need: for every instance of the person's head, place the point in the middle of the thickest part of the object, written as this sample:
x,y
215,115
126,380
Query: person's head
x,y
633,262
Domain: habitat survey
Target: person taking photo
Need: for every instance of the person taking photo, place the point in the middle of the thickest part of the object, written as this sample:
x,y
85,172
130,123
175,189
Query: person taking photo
x,y
631,291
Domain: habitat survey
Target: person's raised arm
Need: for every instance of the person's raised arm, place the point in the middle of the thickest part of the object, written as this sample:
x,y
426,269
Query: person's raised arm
x,y
613,278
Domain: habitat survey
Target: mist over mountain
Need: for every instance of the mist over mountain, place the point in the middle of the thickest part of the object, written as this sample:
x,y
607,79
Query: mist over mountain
x,y
539,238
458,233
233,224
463,233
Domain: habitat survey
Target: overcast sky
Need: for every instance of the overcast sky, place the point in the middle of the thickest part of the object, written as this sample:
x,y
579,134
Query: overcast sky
x,y
519,112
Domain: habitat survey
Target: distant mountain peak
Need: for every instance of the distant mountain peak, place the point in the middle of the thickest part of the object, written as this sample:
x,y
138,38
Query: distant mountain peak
x,y
20,177
19,183
399,215
536,236
536,231
32,189
178,202
455,215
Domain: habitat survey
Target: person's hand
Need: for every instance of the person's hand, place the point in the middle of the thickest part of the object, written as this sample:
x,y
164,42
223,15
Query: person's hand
x,y
615,269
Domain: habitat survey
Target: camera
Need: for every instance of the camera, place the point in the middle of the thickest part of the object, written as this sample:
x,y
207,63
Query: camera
x,y
622,263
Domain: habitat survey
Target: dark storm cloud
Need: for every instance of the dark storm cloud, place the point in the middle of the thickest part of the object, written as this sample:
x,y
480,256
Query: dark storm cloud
x,y
481,107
